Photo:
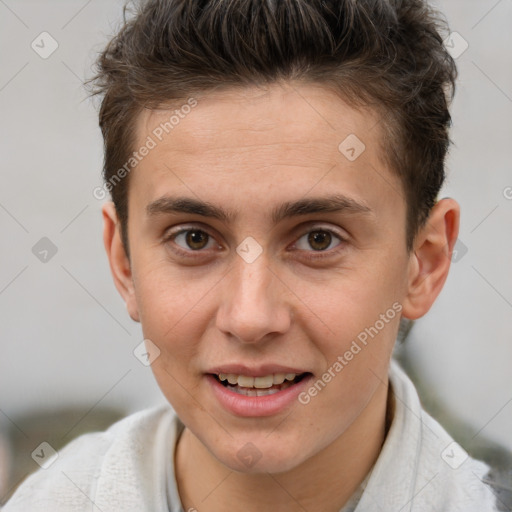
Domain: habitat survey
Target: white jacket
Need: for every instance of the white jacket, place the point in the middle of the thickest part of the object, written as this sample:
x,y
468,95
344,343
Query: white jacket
x,y
130,468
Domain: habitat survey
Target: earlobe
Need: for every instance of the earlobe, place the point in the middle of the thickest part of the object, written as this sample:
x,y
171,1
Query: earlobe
x,y
431,258
118,260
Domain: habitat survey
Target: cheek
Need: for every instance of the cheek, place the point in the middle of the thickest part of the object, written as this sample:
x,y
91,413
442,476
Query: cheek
x,y
174,315
341,307
355,323
170,298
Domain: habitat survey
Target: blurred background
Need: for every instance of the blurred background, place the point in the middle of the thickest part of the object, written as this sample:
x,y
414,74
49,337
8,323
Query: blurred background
x,y
67,344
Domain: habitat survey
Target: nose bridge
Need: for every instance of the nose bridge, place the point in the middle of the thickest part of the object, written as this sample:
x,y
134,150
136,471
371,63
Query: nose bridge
x,y
252,281
252,308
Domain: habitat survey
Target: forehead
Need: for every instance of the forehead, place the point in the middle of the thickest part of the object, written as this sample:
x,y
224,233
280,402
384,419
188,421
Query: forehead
x,y
297,115
280,138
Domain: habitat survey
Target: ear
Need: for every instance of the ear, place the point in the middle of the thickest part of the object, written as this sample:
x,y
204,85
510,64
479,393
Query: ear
x,y
431,258
119,262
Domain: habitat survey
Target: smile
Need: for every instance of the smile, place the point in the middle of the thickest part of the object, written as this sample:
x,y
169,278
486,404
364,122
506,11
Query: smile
x,y
258,386
264,395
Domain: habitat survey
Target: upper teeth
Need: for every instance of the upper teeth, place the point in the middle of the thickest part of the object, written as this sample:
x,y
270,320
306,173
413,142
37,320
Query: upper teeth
x,y
257,382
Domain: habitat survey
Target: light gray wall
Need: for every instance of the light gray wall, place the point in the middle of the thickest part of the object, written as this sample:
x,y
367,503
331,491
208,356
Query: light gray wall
x,y
463,347
65,335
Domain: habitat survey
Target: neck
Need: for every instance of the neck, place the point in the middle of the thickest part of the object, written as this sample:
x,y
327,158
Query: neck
x,y
324,482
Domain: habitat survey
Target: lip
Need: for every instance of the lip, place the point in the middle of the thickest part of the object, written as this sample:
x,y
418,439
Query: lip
x,y
259,371
256,406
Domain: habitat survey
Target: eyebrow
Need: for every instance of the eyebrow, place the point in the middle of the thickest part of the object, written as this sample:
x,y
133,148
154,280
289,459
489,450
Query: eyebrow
x,y
336,203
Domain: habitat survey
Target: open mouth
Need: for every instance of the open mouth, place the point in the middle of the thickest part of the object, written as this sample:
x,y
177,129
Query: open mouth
x,y
259,386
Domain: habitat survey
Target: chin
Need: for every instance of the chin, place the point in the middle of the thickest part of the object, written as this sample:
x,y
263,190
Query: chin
x,y
255,458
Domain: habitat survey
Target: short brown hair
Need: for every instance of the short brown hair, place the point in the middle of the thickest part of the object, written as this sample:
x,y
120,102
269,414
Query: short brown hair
x,y
384,54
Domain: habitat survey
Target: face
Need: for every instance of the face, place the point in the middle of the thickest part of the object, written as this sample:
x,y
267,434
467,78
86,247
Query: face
x,y
260,251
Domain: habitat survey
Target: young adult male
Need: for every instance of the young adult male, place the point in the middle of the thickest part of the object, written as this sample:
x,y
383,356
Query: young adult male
x,y
275,169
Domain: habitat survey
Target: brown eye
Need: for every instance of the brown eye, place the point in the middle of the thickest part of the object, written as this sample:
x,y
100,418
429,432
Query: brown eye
x,y
194,239
197,239
320,243
319,240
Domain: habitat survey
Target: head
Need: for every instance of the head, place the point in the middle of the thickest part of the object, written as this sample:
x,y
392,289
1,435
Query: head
x,y
274,170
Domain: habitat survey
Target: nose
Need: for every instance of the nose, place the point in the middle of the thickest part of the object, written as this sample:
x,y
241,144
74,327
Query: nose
x,y
254,307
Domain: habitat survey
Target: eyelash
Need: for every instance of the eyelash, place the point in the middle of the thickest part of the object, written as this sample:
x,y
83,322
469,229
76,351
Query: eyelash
x,y
312,254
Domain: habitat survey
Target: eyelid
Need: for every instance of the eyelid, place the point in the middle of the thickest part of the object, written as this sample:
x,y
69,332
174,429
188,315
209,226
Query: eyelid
x,y
180,228
343,236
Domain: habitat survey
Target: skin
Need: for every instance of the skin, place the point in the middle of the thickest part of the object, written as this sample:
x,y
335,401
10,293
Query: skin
x,y
248,151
